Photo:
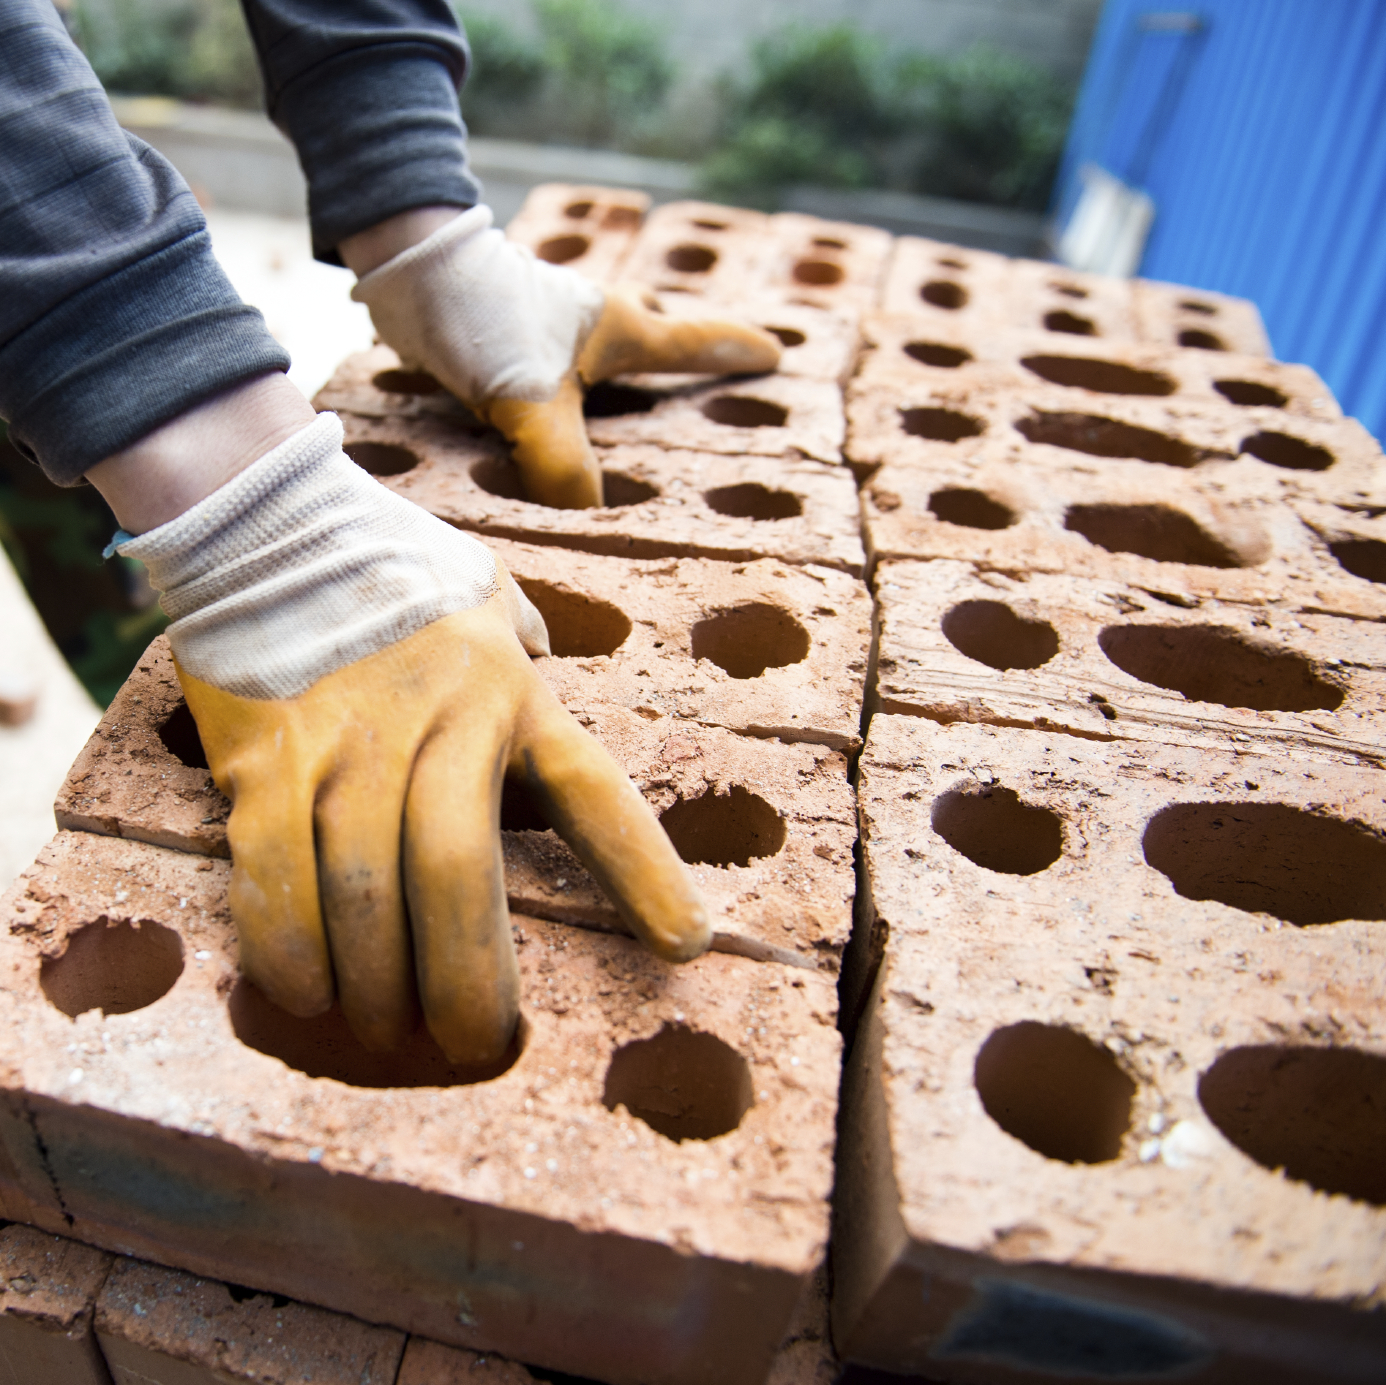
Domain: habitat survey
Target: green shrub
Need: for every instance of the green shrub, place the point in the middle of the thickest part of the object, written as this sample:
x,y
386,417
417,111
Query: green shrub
x,y
507,71
833,107
197,50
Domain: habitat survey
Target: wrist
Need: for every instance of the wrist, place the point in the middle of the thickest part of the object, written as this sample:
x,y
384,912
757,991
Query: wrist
x,y
373,247
169,470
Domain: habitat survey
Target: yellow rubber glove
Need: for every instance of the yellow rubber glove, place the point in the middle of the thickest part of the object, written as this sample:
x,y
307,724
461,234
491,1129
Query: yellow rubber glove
x,y
356,672
518,340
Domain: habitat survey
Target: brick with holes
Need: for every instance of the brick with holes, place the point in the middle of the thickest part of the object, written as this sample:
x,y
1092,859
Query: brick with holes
x,y
590,229
766,826
1108,660
1227,534
900,353
1066,303
829,264
661,502
663,1136
702,248
48,1289
159,1326
1173,315
901,415
941,283
1108,1111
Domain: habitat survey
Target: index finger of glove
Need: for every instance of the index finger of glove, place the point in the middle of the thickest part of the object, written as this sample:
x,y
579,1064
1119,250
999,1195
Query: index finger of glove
x,y
597,810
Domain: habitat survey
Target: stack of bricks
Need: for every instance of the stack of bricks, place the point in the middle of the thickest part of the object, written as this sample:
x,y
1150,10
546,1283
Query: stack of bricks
x,y
1090,908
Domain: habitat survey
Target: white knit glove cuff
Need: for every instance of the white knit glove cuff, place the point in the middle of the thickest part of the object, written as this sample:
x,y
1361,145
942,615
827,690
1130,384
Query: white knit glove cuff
x,y
480,313
301,565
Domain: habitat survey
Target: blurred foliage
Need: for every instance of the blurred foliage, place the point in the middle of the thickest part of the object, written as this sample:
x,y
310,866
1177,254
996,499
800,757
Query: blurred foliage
x,y
196,50
100,614
837,108
595,76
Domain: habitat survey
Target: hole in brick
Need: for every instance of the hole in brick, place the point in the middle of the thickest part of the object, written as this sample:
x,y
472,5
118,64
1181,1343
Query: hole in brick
x,y
324,1046
742,411
1102,377
936,354
787,336
578,210
181,738
829,243
1157,532
1106,437
970,508
746,640
1192,305
820,273
751,500
685,1084
1056,1091
562,249
580,627
501,478
1061,320
950,262
1270,858
113,967
691,259
1365,558
711,225
518,811
726,829
1209,663
1317,1113
382,458
405,382
619,490
1283,450
608,400
1201,340
940,425
992,633
1251,393
1069,290
994,829
944,293
620,218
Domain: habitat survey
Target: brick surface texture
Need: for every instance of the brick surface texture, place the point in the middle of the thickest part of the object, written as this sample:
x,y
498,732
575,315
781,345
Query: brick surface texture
x,y
1008,669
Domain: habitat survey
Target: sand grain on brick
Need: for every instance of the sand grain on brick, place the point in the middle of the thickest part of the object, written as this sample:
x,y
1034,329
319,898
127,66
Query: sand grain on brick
x,y
508,1212
1029,1112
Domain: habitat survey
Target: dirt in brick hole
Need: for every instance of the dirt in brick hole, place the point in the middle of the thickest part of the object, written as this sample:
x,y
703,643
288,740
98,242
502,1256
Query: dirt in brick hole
x,y
101,613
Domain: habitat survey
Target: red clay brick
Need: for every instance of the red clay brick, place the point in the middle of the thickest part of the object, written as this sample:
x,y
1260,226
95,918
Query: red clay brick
x,y
162,1327
1174,315
1066,303
784,811
48,1287
516,1213
719,253
829,264
1110,1173
658,506
1107,661
590,229
943,283
900,353
432,1363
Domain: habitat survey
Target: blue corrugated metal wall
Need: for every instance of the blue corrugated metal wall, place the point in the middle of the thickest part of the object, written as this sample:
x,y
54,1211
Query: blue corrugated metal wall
x,y
1261,135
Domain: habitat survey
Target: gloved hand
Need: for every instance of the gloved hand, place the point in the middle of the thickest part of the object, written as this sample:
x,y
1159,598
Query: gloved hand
x,y
355,673
517,340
